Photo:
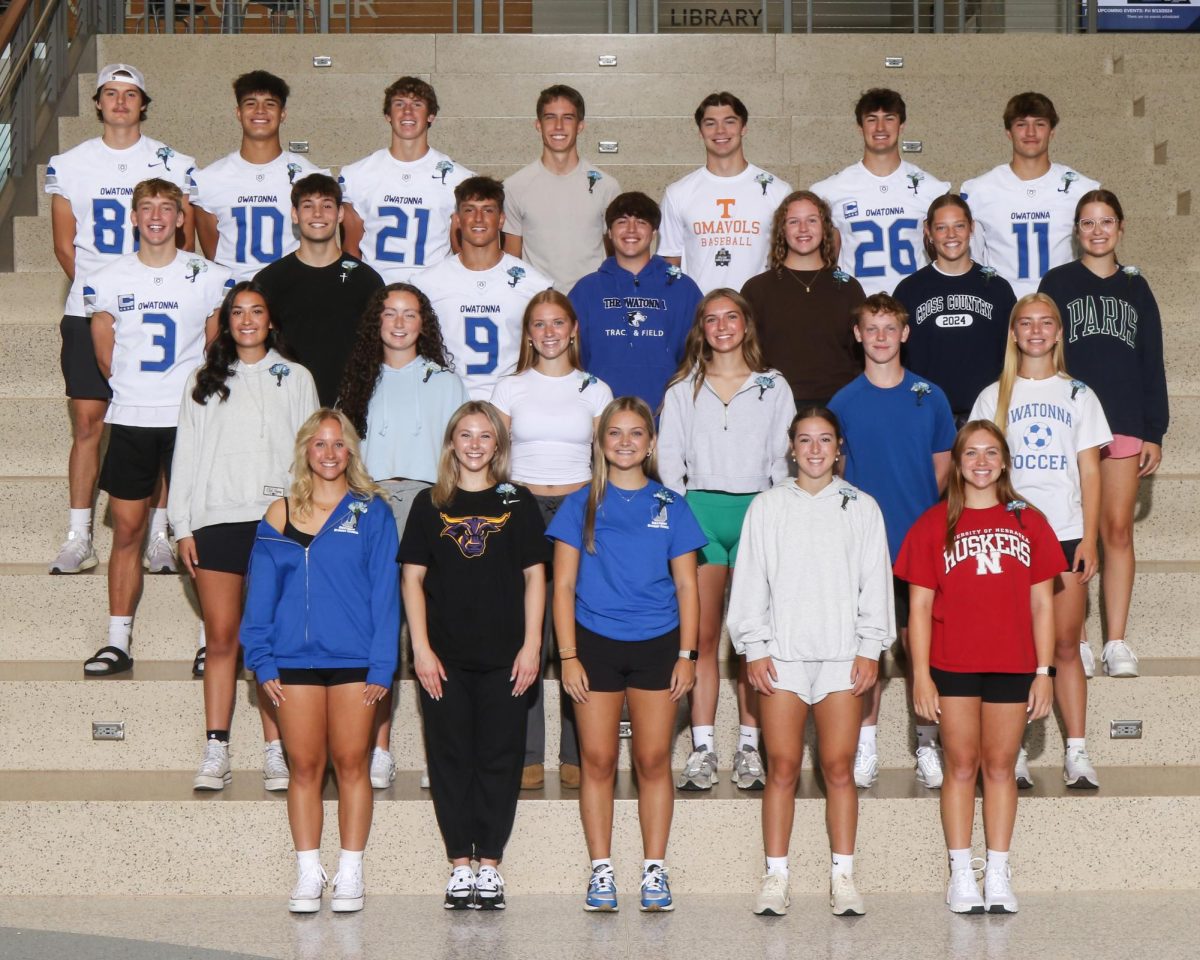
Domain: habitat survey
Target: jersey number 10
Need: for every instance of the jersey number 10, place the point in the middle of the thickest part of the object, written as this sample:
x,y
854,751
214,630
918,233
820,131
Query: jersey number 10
x,y
265,233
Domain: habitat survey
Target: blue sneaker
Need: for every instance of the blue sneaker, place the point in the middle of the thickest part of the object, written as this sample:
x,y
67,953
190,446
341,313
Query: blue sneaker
x,y
602,890
656,894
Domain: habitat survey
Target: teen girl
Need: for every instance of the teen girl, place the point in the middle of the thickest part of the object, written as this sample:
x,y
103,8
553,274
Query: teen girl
x,y
812,650
626,611
1057,428
233,448
550,406
321,632
474,586
399,392
804,305
723,439
981,567
1113,343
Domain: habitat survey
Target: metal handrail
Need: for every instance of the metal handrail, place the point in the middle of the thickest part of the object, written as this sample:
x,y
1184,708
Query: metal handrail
x,y
26,54
11,21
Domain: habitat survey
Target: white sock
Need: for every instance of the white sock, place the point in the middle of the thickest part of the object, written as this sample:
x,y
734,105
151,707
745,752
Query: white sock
x,y
747,737
602,862
273,743
203,642
377,751
842,863
1075,742
350,861
997,860
463,866
926,735
702,737
120,629
777,865
960,859
308,860
158,521
647,864
866,738
81,521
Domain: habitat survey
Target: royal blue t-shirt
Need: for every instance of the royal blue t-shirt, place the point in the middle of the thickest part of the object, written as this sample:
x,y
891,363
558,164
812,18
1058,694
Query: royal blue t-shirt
x,y
624,591
891,436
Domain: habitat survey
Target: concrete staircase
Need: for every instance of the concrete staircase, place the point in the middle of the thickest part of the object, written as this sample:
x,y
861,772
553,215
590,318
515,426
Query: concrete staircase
x,y
78,816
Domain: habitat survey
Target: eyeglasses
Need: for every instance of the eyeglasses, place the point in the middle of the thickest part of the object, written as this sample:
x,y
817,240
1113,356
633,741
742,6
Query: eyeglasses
x,y
1104,223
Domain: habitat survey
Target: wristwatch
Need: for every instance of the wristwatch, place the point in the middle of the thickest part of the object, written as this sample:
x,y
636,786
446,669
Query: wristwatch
x,y
1046,672
692,655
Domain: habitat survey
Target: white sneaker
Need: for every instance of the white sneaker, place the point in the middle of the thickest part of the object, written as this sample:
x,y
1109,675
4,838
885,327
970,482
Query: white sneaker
x,y
1119,660
748,769
425,777
1021,770
962,895
348,891
929,767
844,897
997,891
383,769
460,891
1078,772
275,769
159,557
214,772
1088,659
700,771
75,555
306,894
866,767
773,898
489,889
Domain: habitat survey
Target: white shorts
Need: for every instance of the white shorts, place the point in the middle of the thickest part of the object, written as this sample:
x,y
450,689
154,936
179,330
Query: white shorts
x,y
813,680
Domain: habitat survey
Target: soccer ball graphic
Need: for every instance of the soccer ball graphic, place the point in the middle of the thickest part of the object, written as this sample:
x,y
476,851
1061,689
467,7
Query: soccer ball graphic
x,y
1038,436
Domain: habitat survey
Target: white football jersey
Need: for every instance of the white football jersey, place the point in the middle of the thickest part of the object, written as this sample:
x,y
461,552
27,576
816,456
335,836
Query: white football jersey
x,y
159,315
881,221
1023,228
253,206
98,182
480,313
721,226
405,210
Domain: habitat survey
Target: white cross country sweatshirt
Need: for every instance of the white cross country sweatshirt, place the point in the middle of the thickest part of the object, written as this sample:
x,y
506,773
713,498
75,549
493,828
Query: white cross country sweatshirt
x,y
813,580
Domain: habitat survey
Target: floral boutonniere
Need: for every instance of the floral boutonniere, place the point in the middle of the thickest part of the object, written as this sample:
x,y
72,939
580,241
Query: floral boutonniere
x,y
764,180
922,390
1131,271
508,494
841,276
430,369
914,181
593,178
357,509
279,371
349,265
664,496
442,169
674,272
764,383
293,170
586,382
517,274
1016,506
987,272
1077,386
195,267
848,494
1068,178
164,154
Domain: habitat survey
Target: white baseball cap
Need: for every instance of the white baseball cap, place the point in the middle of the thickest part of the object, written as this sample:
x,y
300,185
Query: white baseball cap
x,y
122,73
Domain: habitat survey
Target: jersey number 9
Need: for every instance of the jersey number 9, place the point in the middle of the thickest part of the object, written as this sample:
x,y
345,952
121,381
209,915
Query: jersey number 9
x,y
482,336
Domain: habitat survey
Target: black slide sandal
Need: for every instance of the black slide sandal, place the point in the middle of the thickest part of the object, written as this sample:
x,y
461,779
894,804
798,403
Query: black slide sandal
x,y
118,662
198,663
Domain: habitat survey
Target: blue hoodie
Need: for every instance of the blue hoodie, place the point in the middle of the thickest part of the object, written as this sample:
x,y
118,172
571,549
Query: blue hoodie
x,y
632,327
335,603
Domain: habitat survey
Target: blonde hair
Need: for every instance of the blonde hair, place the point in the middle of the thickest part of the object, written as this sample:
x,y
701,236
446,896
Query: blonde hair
x,y
528,357
955,484
697,352
1012,355
599,486
357,478
448,466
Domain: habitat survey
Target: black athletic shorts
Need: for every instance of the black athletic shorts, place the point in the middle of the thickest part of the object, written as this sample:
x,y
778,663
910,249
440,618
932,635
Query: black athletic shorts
x,y
990,687
613,666
77,358
225,547
900,592
1068,548
322,676
134,459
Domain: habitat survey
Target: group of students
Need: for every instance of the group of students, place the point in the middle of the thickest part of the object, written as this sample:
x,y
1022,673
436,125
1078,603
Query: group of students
x,y
569,453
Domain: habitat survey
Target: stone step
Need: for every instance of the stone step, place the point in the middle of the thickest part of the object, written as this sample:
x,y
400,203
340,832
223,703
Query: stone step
x,y
161,705
136,834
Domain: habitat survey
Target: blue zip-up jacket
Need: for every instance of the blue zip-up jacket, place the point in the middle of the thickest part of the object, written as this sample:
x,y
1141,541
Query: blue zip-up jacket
x,y
334,603
632,327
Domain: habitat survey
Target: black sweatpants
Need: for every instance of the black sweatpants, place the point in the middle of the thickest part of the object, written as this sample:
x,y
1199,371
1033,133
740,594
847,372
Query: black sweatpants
x,y
475,748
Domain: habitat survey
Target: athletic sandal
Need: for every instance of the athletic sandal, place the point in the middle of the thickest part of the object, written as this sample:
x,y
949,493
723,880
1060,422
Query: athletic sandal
x,y
198,663
107,662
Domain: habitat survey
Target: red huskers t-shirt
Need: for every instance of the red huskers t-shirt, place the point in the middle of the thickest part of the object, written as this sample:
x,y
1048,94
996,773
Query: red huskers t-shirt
x,y
982,618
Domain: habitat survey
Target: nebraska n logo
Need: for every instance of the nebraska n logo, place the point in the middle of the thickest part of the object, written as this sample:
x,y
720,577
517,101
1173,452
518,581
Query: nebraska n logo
x,y
986,563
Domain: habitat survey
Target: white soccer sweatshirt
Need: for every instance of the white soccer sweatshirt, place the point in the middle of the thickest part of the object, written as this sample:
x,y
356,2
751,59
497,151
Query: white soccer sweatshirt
x,y
813,579
232,458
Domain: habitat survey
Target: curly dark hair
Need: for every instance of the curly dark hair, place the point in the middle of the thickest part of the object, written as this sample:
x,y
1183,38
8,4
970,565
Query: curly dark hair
x,y
363,368
221,354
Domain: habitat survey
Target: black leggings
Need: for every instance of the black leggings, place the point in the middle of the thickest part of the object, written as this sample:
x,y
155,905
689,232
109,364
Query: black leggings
x,y
475,747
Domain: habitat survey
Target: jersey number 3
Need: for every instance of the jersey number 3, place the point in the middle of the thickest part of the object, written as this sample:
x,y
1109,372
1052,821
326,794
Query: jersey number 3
x,y
900,250
165,341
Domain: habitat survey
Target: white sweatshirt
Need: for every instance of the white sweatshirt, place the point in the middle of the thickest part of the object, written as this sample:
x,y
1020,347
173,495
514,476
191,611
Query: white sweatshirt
x,y
735,447
233,457
813,580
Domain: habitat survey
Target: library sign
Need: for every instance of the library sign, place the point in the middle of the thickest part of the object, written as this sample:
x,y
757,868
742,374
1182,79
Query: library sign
x,y
683,17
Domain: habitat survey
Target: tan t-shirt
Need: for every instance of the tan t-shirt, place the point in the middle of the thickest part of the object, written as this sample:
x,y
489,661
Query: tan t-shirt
x,y
560,220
